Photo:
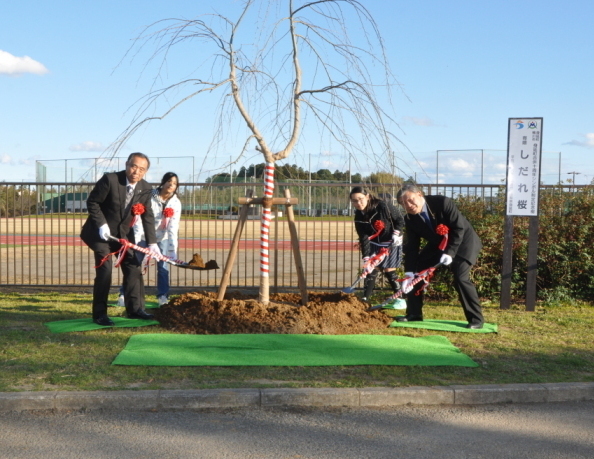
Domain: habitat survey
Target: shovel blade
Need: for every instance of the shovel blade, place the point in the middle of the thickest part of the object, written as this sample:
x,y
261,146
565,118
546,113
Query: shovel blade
x,y
211,264
348,290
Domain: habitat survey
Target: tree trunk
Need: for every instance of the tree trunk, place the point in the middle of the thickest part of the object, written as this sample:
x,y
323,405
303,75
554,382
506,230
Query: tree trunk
x,y
264,295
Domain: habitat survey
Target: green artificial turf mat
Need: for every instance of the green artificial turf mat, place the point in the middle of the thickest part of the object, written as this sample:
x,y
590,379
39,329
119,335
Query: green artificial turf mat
x,y
289,350
76,325
446,325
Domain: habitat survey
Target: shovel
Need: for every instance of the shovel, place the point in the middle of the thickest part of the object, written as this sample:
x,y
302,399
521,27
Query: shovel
x,y
418,278
367,268
211,264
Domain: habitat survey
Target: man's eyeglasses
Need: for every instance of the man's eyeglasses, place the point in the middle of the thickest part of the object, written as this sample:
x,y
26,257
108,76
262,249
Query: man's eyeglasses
x,y
134,167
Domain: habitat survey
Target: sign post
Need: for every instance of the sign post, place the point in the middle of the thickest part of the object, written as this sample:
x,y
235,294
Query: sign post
x,y
524,153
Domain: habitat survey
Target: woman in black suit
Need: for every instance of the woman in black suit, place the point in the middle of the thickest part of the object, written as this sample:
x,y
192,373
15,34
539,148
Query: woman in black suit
x,y
451,240
379,225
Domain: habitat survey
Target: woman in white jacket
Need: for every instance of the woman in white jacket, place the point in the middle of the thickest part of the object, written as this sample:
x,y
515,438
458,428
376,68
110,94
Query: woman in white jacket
x,y
167,211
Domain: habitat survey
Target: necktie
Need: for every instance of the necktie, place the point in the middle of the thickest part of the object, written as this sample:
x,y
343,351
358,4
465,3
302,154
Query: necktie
x,y
129,194
425,217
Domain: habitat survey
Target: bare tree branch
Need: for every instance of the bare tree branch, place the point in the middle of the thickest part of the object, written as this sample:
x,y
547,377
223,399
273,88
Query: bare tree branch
x,y
268,86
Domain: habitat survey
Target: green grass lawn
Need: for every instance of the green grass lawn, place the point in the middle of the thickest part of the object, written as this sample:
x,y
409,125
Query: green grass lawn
x,y
553,344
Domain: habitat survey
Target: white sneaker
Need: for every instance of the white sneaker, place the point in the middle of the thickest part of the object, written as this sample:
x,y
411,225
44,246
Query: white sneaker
x,y
162,300
397,303
400,303
121,301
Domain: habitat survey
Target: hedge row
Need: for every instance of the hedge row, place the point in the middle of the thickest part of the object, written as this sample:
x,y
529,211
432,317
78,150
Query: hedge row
x,y
565,247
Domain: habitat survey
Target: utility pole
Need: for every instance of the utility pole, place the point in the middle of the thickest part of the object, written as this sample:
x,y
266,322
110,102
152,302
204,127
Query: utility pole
x,y
574,173
350,211
309,191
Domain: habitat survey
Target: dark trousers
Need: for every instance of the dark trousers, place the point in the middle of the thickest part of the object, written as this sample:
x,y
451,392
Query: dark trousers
x,y
133,281
467,293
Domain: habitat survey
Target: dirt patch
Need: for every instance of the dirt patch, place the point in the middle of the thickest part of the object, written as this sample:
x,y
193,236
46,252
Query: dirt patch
x,y
325,314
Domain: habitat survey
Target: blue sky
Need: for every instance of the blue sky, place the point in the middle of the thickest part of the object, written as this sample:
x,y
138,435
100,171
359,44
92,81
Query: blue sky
x,y
464,67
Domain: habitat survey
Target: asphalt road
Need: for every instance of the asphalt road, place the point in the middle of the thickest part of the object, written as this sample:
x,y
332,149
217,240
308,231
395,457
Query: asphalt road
x,y
543,430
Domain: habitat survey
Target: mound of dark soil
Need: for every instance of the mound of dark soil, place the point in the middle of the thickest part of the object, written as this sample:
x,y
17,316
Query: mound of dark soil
x,y
325,314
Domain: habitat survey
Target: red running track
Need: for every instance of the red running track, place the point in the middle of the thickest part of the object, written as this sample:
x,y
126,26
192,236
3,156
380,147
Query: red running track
x,y
184,243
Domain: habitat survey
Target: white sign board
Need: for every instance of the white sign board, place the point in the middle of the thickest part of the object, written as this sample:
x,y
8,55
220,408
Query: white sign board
x,y
524,150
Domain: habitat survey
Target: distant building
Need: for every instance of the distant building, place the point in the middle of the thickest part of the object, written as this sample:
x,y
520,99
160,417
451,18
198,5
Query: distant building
x,y
67,202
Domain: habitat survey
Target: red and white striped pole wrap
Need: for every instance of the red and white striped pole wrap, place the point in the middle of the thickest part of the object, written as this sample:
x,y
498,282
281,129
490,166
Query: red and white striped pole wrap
x,y
266,218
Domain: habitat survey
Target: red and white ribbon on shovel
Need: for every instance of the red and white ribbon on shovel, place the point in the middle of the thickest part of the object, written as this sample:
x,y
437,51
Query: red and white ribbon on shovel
x,y
368,267
121,252
424,276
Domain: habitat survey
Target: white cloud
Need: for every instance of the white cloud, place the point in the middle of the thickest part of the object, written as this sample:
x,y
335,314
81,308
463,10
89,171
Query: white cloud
x,y
588,143
29,161
418,121
460,165
9,160
89,145
111,163
15,66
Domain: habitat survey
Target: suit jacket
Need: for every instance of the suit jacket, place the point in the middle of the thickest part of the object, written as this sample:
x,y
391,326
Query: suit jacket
x,y
389,215
106,204
462,239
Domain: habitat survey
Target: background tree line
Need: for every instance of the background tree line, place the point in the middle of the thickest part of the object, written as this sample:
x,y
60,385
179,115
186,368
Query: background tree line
x,y
292,172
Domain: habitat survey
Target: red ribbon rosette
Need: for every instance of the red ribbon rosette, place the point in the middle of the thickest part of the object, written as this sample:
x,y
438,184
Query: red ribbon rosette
x,y
167,214
378,226
137,210
442,230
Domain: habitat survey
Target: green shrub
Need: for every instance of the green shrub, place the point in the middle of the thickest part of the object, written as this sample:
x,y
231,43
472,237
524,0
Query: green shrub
x,y
565,247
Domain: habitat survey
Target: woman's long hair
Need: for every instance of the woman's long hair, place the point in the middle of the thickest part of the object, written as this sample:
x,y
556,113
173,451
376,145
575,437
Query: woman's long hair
x,y
168,176
372,200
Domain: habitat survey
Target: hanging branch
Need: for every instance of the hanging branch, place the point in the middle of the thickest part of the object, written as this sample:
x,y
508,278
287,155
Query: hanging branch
x,y
310,69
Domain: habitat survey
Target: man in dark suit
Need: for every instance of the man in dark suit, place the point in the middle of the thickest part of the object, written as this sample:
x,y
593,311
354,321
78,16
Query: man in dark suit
x,y
110,205
424,216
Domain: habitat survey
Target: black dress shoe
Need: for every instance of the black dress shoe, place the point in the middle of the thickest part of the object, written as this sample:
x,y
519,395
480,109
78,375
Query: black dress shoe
x,y
409,318
474,326
104,320
140,315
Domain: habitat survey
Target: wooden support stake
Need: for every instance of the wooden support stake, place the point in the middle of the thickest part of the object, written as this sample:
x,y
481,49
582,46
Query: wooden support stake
x,y
264,281
296,252
243,213
276,252
273,201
